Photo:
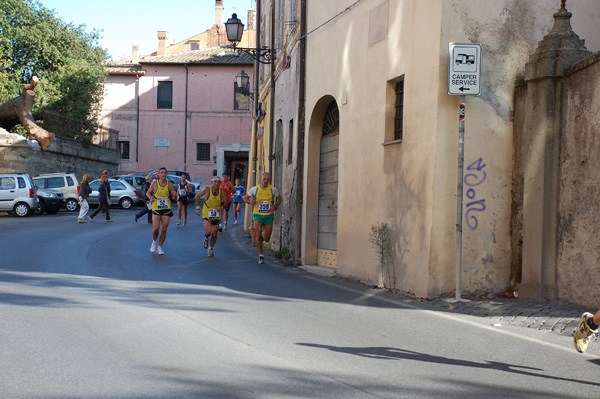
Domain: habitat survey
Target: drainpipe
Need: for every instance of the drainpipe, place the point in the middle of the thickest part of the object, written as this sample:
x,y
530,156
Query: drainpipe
x,y
256,91
137,120
272,102
185,119
299,189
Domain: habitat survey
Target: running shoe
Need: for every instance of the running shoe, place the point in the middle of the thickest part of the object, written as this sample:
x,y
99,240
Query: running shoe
x,y
261,259
183,224
583,334
205,243
153,246
178,222
109,220
91,219
225,226
210,251
159,251
235,221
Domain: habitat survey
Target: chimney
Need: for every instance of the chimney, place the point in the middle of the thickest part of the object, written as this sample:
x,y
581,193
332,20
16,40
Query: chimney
x,y
163,36
251,17
219,12
134,53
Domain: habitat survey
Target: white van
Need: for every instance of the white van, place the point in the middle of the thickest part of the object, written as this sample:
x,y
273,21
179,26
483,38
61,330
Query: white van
x,y
18,194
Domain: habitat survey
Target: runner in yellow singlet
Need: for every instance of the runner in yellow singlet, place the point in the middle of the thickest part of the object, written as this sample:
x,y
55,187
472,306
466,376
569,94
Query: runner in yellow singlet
x,y
265,199
214,200
160,194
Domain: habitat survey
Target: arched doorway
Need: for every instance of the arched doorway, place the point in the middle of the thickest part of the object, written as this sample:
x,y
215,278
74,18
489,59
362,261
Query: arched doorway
x,y
328,188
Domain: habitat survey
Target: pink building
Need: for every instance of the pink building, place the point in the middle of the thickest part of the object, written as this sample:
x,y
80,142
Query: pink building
x,y
183,111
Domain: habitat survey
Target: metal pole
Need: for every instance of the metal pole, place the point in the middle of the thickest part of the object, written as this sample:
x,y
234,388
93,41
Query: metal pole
x,y
459,197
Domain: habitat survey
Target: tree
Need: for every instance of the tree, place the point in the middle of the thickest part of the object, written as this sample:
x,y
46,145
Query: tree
x,y
34,41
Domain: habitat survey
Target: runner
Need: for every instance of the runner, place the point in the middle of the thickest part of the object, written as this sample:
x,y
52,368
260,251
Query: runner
x,y
238,199
214,200
228,189
586,330
266,200
160,193
183,189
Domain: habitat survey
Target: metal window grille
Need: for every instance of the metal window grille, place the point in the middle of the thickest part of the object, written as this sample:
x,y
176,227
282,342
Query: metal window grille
x,y
398,118
202,151
124,149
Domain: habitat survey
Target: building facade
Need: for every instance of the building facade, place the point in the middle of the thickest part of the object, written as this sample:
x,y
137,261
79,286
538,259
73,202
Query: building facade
x,y
375,134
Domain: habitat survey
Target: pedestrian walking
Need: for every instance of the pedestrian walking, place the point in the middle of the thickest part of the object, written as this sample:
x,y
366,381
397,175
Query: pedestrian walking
x,y
84,193
103,199
148,205
238,199
266,199
161,193
228,189
214,201
586,330
183,190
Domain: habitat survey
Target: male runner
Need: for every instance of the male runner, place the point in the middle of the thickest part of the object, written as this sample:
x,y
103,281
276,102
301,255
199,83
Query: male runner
x,y
214,200
266,200
161,193
228,189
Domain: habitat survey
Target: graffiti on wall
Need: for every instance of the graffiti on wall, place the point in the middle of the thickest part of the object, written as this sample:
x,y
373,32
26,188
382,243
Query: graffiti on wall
x,y
473,180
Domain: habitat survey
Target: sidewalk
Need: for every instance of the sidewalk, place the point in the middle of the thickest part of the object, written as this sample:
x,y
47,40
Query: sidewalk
x,y
552,318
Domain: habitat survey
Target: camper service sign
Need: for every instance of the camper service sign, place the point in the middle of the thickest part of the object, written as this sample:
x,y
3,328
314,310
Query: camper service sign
x,y
464,69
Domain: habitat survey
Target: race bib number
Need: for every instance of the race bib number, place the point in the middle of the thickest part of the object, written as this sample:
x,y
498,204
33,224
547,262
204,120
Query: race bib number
x,y
264,206
213,214
182,192
162,203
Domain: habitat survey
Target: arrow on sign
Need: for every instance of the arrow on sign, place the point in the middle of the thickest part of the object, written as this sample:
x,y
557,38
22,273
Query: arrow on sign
x,y
462,88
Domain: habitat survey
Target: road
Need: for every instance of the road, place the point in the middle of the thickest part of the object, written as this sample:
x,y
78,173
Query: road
x,y
88,312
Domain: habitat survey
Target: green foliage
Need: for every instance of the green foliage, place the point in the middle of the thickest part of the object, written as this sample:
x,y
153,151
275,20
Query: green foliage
x,y
380,238
283,253
34,41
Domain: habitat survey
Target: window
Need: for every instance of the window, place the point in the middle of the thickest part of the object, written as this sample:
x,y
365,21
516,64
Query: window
x,y
55,182
202,151
194,46
7,183
21,182
242,99
399,108
124,148
394,113
70,181
165,95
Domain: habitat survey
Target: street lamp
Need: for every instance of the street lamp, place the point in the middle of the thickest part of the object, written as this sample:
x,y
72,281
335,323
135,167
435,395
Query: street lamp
x,y
235,30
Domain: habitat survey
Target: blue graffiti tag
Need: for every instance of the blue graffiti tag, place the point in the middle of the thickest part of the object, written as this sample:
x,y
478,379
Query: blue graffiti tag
x,y
474,179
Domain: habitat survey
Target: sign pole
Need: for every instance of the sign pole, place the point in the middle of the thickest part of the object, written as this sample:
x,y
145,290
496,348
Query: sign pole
x,y
459,197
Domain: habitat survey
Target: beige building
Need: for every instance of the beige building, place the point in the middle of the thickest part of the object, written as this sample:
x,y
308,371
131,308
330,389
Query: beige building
x,y
371,136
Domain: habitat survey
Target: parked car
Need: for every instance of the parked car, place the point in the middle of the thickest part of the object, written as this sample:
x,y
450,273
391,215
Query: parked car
x,y
50,201
66,183
135,179
121,193
18,194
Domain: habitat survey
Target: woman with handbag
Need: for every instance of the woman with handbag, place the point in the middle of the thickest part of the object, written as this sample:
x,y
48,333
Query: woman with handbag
x,y
103,199
84,193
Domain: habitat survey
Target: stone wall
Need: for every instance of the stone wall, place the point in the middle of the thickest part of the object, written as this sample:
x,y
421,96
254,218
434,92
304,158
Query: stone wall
x,y
19,154
578,212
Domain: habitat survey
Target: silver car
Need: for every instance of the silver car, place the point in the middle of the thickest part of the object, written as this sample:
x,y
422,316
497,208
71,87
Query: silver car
x,y
121,193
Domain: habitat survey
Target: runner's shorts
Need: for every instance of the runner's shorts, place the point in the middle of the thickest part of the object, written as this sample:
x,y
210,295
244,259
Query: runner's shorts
x,y
266,220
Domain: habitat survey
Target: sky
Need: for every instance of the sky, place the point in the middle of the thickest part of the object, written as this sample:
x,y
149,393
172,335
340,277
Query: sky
x,y
124,23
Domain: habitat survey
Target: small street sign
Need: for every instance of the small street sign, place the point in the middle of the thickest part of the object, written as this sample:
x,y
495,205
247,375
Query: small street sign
x,y
464,69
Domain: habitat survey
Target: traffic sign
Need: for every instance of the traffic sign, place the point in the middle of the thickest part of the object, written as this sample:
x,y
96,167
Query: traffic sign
x,y
464,69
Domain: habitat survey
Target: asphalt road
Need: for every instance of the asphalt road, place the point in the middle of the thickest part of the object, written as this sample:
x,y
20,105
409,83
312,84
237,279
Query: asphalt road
x,y
86,311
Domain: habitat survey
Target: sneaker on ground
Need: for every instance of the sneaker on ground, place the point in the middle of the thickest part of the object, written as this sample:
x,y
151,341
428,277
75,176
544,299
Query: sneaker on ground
x,y
178,222
153,246
109,220
583,334
159,251
205,243
235,221
225,225
183,224
261,259
80,220
91,219
210,251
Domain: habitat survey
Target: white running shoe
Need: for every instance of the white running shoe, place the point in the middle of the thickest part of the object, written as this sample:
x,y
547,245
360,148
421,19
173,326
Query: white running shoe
x,y
178,222
159,251
261,259
225,228
205,243
235,221
153,246
183,224
210,251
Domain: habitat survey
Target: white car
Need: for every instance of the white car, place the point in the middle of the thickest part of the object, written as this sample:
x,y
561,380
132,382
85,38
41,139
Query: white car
x,y
18,194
